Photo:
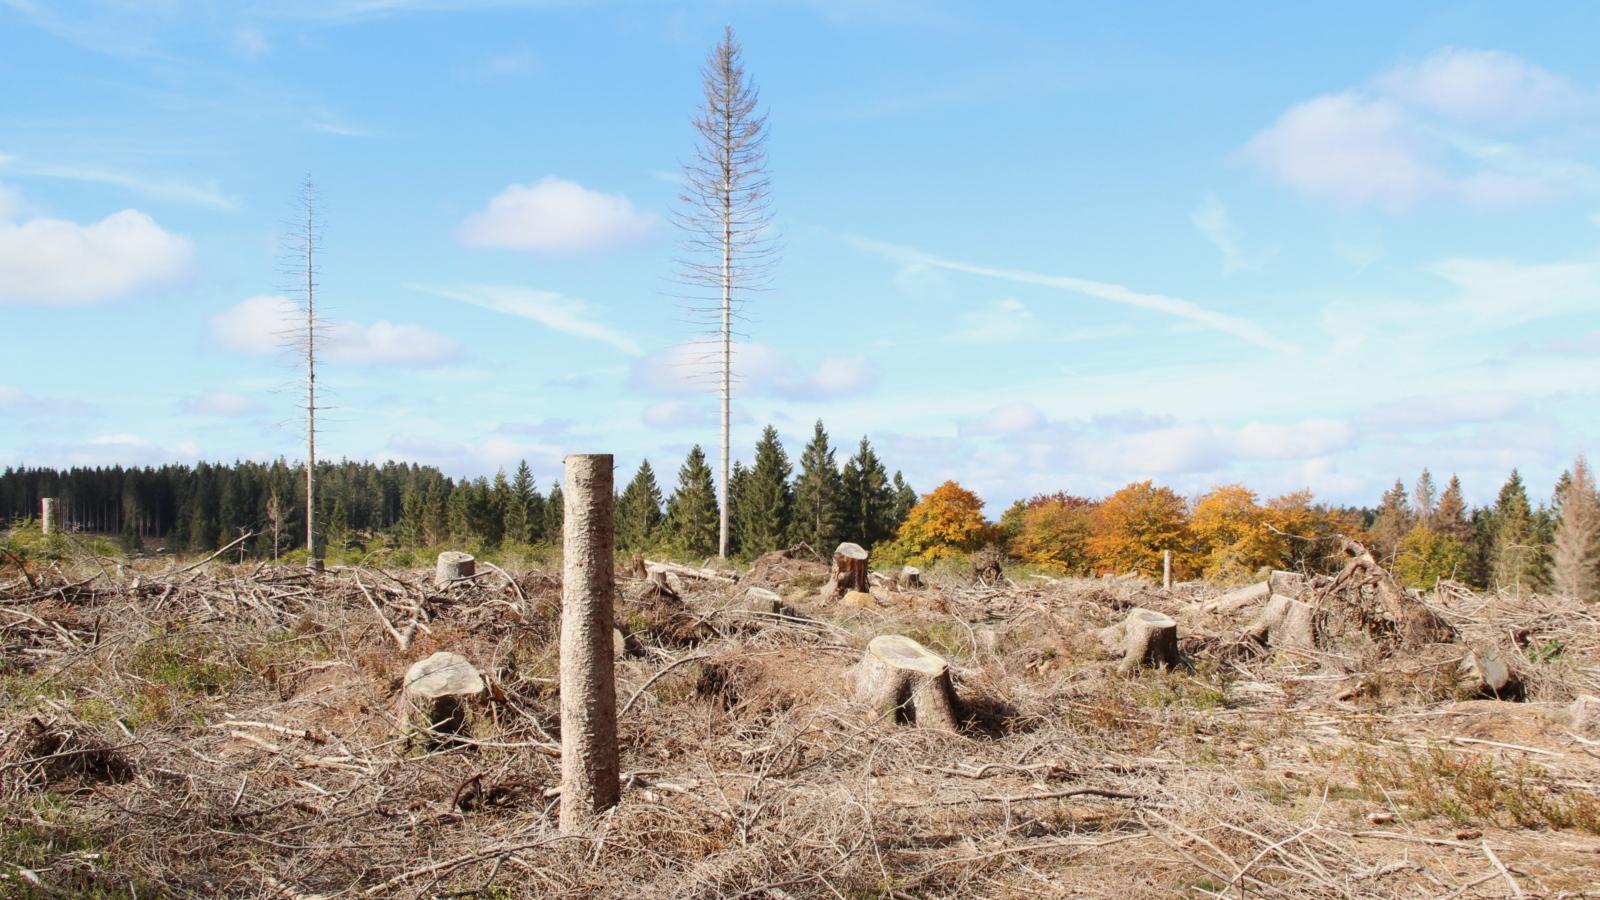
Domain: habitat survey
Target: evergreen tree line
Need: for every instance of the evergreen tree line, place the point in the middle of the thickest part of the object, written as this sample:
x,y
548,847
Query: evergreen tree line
x,y
770,506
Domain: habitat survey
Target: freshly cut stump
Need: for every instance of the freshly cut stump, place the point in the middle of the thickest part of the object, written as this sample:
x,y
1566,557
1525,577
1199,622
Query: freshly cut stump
x,y
1487,675
910,578
762,600
435,696
849,573
900,675
1285,623
1147,639
453,566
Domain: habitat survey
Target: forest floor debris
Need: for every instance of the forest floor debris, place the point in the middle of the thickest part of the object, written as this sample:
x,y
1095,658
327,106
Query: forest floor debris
x,y
234,731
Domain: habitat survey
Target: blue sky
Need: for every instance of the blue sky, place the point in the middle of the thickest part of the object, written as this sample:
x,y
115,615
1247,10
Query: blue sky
x,y
1028,247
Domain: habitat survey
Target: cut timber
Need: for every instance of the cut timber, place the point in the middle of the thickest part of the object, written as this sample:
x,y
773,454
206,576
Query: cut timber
x,y
1227,603
435,695
691,572
1488,676
1285,623
849,573
910,578
453,566
1146,639
900,676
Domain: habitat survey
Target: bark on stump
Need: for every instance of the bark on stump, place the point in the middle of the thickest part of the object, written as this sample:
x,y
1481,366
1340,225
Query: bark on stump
x,y
49,515
435,695
849,573
453,566
1146,639
1285,623
911,578
589,763
901,676
1487,675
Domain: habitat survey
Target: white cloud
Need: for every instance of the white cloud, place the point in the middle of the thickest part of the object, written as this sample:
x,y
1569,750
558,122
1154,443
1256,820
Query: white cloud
x,y
555,215
1188,310
219,403
1002,320
1009,418
1347,148
206,194
250,42
54,262
263,324
10,203
1482,85
1215,225
558,312
760,370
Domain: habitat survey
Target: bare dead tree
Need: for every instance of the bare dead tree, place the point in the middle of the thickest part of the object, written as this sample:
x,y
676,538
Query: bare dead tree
x,y
724,213
1575,564
303,242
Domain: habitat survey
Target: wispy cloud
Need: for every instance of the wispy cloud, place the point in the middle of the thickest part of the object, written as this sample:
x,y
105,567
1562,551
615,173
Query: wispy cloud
x,y
1211,219
558,312
1241,328
207,194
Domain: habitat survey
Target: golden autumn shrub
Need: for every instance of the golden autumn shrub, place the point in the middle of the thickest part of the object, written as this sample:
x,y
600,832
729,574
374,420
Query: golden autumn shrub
x,y
1133,526
1234,538
947,522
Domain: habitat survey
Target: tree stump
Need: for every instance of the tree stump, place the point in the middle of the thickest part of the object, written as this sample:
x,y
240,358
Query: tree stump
x,y
849,573
1487,675
910,578
1146,639
899,675
453,566
1289,584
1285,623
435,695
986,566
636,567
763,601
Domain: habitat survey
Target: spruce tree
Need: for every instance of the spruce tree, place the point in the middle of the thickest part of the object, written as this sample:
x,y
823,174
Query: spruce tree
x,y
435,512
692,517
519,506
1392,522
1518,557
410,527
738,500
555,512
868,500
904,499
818,495
767,508
1424,499
1450,516
639,511
1575,556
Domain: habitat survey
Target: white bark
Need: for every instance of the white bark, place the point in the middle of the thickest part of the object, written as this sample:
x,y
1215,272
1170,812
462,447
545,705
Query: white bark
x,y
589,763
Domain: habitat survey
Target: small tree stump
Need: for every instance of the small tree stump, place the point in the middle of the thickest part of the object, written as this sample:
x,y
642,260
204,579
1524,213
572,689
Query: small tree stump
x,y
900,675
849,573
1289,584
910,578
986,566
435,695
453,566
763,601
1284,623
1146,639
1488,675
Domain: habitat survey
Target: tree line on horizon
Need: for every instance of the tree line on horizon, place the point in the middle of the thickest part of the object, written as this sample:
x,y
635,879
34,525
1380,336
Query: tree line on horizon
x,y
1424,534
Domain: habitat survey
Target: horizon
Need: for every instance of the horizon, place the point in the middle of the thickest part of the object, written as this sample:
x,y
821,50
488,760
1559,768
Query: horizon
x,y
1076,248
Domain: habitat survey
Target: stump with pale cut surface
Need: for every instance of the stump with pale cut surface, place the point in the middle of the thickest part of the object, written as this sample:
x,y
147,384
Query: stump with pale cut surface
x,y
1146,639
435,697
849,573
1285,623
910,578
453,566
901,676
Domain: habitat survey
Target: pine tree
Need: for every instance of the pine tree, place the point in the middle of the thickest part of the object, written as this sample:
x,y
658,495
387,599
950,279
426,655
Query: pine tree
x,y
496,501
435,512
1450,516
1518,557
818,495
519,506
692,518
767,508
458,514
1424,499
338,533
555,512
904,500
738,500
867,499
1575,562
639,510
410,517
1392,522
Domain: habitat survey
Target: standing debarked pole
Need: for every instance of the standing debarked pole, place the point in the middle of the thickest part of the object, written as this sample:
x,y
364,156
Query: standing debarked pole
x,y
589,767
1166,569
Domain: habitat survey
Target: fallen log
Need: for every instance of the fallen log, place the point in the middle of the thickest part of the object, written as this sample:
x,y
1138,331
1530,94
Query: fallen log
x,y
1239,597
1146,639
692,572
901,677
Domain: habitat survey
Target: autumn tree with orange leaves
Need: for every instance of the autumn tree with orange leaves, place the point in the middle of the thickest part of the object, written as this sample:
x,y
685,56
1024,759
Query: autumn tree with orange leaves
x,y
1053,532
1133,527
947,522
1233,535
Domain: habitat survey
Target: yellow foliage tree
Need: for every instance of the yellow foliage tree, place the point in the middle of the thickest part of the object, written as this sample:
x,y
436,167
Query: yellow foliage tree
x,y
1232,534
1134,525
947,522
1310,530
1054,532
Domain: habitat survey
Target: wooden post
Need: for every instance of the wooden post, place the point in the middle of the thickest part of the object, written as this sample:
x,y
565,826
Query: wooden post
x,y
1166,569
49,511
589,766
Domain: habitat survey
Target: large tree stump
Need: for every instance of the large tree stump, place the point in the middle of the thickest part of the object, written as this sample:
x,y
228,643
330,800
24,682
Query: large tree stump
x,y
435,694
849,573
49,515
910,578
453,566
901,676
1285,623
1146,639
589,764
